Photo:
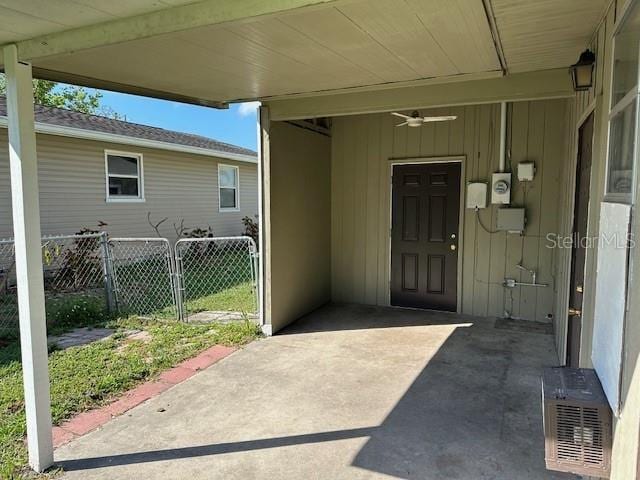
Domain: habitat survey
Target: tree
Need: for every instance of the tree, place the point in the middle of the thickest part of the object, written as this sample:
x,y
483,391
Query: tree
x,y
79,99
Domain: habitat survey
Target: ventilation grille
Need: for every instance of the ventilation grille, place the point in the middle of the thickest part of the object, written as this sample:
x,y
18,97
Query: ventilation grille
x,y
579,435
577,423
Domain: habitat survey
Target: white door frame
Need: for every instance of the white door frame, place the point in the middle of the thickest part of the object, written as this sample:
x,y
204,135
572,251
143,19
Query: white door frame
x,y
461,159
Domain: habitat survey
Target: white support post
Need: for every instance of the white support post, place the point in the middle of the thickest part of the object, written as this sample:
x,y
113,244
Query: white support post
x,y
264,209
26,230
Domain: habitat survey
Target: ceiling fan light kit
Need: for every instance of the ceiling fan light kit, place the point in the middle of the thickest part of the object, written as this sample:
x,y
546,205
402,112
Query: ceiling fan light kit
x,y
415,120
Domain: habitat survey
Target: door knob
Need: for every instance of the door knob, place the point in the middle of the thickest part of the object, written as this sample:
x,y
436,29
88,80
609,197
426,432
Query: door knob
x,y
575,311
452,247
579,289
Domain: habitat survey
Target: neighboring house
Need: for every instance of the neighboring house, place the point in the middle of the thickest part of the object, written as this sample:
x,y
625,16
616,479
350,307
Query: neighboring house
x,y
94,169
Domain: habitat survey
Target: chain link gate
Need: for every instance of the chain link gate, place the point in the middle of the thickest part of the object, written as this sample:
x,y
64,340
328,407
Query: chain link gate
x,y
216,278
142,272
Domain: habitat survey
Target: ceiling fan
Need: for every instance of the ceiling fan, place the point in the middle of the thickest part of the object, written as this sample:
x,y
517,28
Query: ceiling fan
x,y
415,120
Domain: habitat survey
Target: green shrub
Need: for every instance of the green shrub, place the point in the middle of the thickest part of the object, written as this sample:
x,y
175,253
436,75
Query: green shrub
x,y
251,228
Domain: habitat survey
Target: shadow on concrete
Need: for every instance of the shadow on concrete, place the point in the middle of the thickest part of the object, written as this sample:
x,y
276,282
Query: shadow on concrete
x,y
215,449
473,412
335,317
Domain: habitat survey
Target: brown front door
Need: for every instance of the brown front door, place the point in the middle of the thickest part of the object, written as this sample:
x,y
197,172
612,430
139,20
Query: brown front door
x,y
424,235
580,217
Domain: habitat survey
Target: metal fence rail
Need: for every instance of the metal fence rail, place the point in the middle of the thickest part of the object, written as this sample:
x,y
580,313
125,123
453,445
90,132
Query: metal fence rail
x,y
143,276
216,278
73,265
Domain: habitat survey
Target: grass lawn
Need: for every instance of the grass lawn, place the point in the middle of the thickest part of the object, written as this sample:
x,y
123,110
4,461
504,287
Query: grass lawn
x,y
91,375
64,311
219,282
239,298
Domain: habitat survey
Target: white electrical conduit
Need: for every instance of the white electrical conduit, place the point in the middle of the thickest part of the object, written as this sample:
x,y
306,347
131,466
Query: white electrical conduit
x,y
503,136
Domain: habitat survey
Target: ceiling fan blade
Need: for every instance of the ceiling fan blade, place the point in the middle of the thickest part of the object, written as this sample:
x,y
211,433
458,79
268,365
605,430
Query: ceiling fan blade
x,y
402,124
445,118
401,115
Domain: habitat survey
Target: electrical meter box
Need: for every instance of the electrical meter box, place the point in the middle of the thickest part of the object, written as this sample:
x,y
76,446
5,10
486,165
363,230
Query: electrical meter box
x,y
511,220
477,195
501,188
526,171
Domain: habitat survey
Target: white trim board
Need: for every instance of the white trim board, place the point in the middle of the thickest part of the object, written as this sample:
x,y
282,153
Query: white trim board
x,y
71,132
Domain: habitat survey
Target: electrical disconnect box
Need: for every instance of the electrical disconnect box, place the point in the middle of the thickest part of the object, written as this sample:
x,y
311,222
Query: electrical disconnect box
x,y
501,188
511,220
477,195
526,171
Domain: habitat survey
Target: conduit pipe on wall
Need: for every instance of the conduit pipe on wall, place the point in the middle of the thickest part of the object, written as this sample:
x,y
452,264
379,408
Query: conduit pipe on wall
x,y
503,136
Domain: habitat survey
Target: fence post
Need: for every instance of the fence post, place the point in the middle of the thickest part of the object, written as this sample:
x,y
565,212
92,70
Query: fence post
x,y
255,254
177,281
108,276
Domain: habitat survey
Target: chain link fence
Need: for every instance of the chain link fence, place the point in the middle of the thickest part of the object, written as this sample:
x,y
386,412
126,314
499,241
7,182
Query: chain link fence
x,y
73,267
216,278
207,279
8,295
142,270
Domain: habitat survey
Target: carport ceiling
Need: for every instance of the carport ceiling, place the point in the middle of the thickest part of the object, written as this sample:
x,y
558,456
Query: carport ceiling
x,y
543,34
300,47
20,20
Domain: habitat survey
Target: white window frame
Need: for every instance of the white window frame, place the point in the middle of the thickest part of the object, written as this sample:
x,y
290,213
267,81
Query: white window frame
x,y
140,177
632,96
236,188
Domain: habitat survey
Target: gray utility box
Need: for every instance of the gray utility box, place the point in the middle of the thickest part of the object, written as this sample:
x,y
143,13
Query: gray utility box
x,y
577,422
511,220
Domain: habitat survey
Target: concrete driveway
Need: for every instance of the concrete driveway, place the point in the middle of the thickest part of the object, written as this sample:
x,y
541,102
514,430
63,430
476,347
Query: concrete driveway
x,y
349,392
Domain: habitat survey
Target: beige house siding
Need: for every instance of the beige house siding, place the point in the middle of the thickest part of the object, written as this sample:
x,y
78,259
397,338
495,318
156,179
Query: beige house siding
x,y
299,215
177,185
362,148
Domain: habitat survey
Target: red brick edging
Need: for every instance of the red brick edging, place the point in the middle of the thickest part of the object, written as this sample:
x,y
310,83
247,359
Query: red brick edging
x,y
87,421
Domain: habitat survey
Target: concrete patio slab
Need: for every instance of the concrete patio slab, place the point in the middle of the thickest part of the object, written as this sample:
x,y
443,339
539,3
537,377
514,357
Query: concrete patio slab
x,y
349,392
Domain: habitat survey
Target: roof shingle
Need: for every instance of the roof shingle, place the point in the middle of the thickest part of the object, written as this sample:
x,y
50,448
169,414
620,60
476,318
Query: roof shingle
x,y
69,118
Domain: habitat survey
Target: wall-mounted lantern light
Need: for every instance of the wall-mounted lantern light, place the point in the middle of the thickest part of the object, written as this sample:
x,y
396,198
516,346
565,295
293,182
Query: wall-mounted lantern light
x,y
582,72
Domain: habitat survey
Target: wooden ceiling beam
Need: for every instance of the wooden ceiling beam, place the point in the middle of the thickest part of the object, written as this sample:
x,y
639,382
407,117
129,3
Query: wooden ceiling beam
x,y
541,84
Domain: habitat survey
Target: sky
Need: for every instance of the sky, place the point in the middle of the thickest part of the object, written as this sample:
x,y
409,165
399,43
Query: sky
x,y
237,125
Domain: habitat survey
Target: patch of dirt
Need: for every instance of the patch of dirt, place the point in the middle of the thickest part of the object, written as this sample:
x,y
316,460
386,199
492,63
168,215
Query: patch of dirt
x,y
141,336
